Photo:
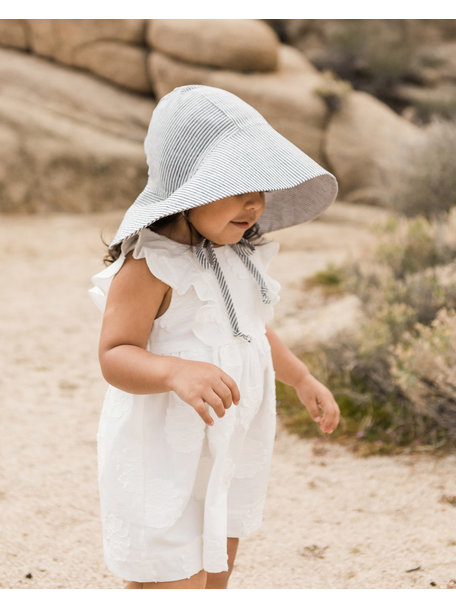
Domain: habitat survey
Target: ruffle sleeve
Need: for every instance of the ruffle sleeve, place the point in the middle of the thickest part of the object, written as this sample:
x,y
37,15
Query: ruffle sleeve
x,y
102,281
169,261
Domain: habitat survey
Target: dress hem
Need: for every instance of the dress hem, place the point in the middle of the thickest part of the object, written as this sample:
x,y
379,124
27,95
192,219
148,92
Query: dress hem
x,y
118,569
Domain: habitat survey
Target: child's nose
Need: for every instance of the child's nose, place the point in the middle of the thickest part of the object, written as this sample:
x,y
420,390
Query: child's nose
x,y
254,199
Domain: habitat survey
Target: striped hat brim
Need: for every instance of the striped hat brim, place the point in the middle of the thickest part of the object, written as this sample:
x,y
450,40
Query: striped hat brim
x,y
255,158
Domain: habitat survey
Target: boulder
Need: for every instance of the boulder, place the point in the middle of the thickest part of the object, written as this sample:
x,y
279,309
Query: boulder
x,y
60,38
70,142
111,48
13,33
292,60
364,143
166,73
233,44
287,99
123,64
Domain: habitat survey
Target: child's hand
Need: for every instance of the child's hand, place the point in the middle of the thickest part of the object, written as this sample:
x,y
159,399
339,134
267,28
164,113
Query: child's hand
x,y
317,398
199,383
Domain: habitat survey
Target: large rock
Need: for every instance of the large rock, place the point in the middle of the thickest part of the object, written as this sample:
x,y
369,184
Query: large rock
x,y
233,44
111,48
69,142
292,60
13,33
287,98
364,144
123,64
60,38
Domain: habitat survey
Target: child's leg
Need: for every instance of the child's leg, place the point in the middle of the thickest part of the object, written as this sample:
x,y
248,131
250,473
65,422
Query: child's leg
x,y
219,580
133,585
201,580
197,581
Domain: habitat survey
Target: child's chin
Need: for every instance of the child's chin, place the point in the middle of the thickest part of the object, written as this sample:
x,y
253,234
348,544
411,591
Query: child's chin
x,y
231,241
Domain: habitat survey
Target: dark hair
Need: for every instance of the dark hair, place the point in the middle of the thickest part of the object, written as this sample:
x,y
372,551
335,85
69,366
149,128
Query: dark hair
x,y
114,251
253,235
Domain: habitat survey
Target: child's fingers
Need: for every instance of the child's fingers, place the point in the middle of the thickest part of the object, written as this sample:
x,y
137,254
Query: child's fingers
x,y
224,392
331,416
215,402
314,410
201,409
231,384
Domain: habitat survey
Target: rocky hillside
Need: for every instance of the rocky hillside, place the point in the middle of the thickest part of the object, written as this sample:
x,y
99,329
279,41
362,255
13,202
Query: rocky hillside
x,y
77,95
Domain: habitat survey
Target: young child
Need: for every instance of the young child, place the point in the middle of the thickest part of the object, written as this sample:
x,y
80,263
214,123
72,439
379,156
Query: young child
x,y
186,432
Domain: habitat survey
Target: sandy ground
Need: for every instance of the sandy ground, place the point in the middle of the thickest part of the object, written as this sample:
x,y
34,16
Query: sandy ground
x,y
332,520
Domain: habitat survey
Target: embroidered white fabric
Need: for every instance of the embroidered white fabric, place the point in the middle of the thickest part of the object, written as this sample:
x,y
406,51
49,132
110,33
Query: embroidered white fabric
x,y
171,488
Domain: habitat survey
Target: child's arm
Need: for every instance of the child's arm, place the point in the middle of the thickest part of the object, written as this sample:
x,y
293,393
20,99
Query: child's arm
x,y
134,300
314,395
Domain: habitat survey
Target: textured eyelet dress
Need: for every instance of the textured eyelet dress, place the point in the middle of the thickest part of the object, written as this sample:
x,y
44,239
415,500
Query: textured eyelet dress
x,y
172,488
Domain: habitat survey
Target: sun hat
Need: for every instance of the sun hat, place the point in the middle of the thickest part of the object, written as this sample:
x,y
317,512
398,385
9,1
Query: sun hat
x,y
204,144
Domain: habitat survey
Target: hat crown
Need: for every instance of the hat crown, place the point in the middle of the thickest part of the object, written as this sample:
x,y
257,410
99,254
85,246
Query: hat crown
x,y
186,124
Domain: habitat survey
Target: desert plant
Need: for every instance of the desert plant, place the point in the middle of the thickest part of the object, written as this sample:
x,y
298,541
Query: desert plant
x,y
383,376
331,280
373,55
424,368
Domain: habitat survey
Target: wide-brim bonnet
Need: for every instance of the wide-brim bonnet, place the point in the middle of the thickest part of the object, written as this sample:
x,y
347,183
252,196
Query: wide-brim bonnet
x,y
205,144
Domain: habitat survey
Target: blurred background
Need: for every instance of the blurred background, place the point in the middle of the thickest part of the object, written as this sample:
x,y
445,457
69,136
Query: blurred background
x,y
369,289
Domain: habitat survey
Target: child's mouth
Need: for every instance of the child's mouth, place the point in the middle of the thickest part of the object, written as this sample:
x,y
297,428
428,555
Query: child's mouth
x,y
243,225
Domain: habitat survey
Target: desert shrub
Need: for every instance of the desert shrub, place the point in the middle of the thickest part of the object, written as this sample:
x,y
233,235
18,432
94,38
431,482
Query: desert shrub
x,y
332,90
408,246
331,280
374,55
426,181
429,104
424,367
394,378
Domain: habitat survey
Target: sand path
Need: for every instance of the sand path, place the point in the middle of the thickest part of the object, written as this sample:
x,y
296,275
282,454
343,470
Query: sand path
x,y
332,520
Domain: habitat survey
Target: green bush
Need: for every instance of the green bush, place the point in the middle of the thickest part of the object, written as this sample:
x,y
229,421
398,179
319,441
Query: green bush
x,y
394,378
331,280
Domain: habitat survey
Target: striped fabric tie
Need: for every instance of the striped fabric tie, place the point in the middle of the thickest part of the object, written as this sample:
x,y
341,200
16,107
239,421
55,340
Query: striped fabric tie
x,y
243,250
205,253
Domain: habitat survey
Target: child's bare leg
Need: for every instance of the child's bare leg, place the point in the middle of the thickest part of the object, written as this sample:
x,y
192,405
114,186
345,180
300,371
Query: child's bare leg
x,y
133,585
219,580
201,580
197,581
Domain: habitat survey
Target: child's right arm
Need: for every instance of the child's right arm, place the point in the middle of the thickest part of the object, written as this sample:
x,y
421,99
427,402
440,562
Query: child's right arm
x,y
134,299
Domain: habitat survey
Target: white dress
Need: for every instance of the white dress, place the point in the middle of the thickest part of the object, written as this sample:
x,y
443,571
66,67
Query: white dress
x,y
172,489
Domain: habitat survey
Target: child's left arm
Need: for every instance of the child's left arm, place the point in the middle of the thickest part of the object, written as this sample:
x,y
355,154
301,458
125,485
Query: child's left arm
x,y
314,395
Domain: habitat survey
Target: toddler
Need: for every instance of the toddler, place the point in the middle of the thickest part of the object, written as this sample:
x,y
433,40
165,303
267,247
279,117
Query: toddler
x,y
187,427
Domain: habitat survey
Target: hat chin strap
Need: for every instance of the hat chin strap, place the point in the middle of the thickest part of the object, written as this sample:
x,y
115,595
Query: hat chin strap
x,y
205,253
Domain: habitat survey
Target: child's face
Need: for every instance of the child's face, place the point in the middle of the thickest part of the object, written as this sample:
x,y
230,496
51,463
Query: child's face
x,y
224,221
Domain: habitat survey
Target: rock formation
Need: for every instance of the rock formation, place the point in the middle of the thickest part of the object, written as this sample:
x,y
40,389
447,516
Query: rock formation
x,y
77,95
69,142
